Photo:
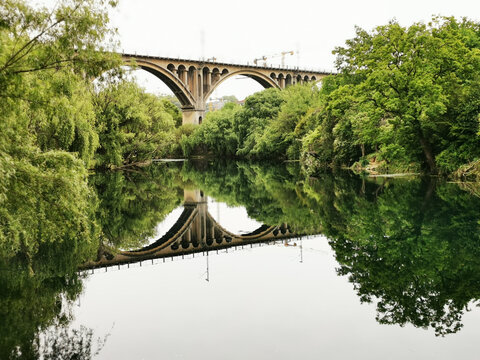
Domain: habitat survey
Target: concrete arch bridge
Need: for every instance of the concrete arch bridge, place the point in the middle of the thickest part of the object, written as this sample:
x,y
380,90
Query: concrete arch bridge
x,y
195,231
193,81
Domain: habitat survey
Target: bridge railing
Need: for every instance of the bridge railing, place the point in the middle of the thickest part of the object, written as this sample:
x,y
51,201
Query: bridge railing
x,y
234,63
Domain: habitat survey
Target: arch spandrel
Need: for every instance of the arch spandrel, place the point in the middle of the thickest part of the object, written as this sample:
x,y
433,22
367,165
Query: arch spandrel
x,y
169,78
261,78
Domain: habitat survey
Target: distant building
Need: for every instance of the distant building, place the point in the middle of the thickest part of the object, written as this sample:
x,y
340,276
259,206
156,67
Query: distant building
x,y
217,104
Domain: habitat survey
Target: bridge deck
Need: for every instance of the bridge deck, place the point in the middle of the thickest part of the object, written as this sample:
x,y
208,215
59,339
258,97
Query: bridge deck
x,y
239,65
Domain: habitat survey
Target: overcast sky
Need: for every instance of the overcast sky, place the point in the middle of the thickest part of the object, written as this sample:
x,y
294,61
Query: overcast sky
x,y
240,31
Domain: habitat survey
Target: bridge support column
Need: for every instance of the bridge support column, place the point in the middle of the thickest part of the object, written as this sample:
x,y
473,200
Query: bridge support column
x,y
192,116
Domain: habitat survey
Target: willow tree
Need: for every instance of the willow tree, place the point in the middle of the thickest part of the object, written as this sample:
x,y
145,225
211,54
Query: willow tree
x,y
47,60
133,126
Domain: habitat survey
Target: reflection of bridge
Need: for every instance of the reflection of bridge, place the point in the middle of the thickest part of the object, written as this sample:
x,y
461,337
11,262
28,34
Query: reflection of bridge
x,y
193,81
195,231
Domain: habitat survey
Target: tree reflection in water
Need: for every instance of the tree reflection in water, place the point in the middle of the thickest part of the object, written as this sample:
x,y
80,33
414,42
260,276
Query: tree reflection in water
x,y
410,245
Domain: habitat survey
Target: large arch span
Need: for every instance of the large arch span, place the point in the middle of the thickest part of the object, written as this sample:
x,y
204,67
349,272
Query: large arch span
x,y
193,81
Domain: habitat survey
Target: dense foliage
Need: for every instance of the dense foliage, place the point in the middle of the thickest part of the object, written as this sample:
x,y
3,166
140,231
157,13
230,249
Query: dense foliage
x,y
132,126
47,122
269,125
413,92
405,99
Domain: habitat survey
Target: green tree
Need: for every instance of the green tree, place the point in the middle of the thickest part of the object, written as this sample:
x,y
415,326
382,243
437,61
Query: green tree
x,y
256,113
330,140
422,82
133,126
47,225
215,135
282,134
173,110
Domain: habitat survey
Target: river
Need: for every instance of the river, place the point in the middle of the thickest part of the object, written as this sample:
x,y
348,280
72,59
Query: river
x,y
210,260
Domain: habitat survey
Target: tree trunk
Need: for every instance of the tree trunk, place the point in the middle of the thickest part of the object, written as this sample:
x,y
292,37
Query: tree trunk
x,y
427,151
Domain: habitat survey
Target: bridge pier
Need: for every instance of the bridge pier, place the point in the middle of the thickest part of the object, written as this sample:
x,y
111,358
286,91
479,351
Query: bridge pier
x,y
192,116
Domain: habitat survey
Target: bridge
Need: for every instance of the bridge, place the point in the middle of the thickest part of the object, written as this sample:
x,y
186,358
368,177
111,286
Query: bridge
x,y
195,231
193,81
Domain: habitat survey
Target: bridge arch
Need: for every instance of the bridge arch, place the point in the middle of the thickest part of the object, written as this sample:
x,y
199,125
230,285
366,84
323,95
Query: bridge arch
x,y
193,82
262,79
169,78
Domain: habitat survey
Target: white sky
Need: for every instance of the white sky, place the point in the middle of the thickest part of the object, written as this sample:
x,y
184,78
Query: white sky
x,y
240,31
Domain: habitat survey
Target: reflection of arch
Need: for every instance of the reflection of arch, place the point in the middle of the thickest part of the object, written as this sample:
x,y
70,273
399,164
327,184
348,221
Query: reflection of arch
x,y
183,95
194,231
184,234
262,79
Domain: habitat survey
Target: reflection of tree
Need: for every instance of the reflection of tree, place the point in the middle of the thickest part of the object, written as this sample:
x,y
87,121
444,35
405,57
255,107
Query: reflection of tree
x,y
411,246
413,250
38,278
132,203
270,193
59,342
47,228
30,303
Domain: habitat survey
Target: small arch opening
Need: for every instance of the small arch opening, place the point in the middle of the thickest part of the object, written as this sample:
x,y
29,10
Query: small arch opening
x,y
185,243
191,78
215,75
288,80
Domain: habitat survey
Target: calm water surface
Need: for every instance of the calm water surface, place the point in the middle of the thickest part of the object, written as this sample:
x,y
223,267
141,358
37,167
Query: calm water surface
x,y
340,268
